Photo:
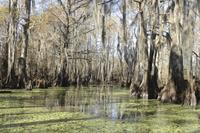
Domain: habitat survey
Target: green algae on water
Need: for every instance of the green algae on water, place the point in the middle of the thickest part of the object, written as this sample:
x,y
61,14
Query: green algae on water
x,y
91,109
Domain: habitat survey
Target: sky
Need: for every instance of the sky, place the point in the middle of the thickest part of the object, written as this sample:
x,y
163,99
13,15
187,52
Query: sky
x,y
3,2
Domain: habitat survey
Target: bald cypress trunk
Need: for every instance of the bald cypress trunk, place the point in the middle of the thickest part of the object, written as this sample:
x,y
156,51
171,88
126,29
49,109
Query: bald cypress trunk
x,y
139,86
103,39
11,43
180,86
22,61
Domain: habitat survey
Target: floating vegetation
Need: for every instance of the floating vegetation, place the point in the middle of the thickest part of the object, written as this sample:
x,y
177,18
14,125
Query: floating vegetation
x,y
91,110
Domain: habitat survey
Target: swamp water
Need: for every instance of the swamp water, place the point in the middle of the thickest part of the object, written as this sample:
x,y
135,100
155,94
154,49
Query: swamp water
x,y
91,110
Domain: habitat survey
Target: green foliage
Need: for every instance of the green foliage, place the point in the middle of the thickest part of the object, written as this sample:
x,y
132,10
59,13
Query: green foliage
x,y
3,14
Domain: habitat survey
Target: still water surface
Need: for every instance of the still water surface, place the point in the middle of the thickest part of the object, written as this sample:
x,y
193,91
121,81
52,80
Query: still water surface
x,y
91,109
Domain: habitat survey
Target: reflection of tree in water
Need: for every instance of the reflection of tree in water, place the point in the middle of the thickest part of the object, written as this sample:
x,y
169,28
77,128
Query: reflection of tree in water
x,y
89,100
100,101
93,100
55,98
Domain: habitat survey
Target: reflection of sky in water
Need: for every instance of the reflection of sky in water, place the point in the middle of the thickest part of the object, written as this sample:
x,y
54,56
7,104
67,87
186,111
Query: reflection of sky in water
x,y
114,111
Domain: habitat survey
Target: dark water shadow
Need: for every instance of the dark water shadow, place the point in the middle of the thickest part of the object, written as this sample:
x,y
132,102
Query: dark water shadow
x,y
44,122
182,122
23,113
21,107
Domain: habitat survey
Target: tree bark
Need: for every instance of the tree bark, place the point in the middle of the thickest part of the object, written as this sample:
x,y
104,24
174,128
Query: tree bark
x,y
22,61
11,42
140,89
103,37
